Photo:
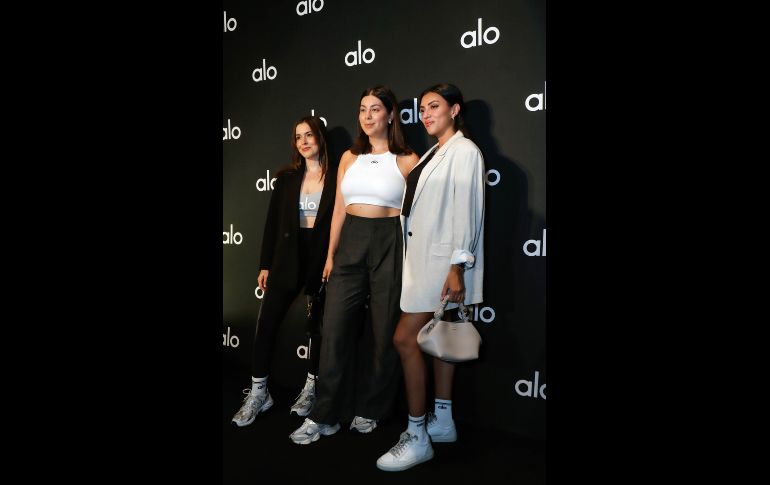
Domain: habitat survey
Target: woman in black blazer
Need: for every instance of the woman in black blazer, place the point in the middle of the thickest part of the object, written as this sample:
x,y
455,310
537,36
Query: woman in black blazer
x,y
294,248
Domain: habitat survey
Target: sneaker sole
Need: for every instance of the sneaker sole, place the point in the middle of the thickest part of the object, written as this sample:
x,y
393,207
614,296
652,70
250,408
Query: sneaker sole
x,y
444,439
398,468
264,408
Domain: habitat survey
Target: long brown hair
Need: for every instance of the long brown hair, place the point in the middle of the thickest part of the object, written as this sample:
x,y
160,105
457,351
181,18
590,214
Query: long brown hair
x,y
396,142
319,132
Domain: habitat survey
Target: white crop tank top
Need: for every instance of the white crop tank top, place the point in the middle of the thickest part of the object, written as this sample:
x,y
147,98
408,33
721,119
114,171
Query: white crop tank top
x,y
374,180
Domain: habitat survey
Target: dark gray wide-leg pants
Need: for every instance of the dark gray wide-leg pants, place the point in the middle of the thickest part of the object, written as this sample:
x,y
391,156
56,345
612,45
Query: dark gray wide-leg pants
x,y
368,260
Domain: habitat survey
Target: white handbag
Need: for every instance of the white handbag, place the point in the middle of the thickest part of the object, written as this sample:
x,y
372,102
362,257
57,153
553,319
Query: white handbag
x,y
450,341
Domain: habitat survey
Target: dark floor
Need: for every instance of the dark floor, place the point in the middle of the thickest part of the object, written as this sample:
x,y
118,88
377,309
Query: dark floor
x,y
263,450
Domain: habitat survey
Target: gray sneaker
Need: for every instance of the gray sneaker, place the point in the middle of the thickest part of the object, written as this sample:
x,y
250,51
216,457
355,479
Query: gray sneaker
x,y
311,431
363,425
305,400
253,404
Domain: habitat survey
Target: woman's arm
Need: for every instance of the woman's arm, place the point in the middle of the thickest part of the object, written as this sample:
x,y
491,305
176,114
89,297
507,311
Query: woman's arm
x,y
467,220
406,163
468,211
338,215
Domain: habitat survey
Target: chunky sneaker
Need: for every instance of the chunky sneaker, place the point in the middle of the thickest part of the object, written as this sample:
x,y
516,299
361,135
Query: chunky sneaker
x,y
253,404
305,400
441,434
311,431
363,425
410,451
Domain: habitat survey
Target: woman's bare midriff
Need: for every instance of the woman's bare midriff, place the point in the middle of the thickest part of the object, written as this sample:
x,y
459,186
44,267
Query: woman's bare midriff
x,y
371,211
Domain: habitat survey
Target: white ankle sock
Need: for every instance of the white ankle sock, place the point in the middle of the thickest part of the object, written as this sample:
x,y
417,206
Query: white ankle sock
x,y
443,411
417,425
259,385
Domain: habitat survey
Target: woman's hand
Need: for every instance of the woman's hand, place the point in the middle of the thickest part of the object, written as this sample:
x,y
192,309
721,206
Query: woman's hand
x,y
327,269
454,286
262,279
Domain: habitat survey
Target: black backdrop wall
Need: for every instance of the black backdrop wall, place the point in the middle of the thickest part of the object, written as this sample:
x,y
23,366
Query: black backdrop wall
x,y
287,59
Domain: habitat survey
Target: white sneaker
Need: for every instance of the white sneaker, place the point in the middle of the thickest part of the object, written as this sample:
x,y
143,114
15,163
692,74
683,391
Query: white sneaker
x,y
441,434
363,425
311,431
305,400
253,404
410,451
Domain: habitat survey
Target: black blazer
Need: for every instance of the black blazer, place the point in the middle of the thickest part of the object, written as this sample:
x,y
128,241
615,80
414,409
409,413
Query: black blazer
x,y
280,241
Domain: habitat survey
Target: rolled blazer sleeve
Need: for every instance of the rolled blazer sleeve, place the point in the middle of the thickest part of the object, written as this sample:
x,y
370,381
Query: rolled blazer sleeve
x,y
468,205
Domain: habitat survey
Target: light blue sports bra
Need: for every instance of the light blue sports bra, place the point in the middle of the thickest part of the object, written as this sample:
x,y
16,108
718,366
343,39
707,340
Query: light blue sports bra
x,y
308,204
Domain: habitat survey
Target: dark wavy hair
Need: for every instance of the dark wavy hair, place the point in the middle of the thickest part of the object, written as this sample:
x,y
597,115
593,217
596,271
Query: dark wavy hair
x,y
319,132
396,142
452,95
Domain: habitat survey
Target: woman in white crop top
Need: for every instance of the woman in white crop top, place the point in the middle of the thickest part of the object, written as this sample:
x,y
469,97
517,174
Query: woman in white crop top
x,y
364,258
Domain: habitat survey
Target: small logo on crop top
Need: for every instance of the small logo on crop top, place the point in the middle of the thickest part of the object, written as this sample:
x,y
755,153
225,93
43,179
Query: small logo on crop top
x,y
374,161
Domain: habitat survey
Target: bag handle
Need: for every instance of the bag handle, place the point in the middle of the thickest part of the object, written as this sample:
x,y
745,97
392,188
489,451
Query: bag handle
x,y
462,312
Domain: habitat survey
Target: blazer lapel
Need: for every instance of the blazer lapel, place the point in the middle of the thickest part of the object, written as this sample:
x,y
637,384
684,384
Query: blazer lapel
x,y
293,187
434,162
329,191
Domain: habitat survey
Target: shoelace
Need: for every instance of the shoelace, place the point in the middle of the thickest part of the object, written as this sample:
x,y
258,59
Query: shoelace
x,y
303,400
403,442
252,397
431,418
307,393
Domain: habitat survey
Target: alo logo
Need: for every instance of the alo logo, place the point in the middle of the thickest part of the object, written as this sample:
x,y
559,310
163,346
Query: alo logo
x,y
485,314
477,38
309,6
307,205
259,293
230,23
359,56
539,98
413,114
312,113
303,351
530,389
231,133
264,72
263,185
495,174
536,242
230,340
232,237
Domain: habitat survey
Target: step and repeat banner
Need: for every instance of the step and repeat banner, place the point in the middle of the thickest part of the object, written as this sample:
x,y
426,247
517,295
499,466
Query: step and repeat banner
x,y
287,59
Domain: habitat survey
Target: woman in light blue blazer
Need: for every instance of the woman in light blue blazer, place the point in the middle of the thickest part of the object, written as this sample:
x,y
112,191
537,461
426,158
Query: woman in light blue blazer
x,y
443,224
